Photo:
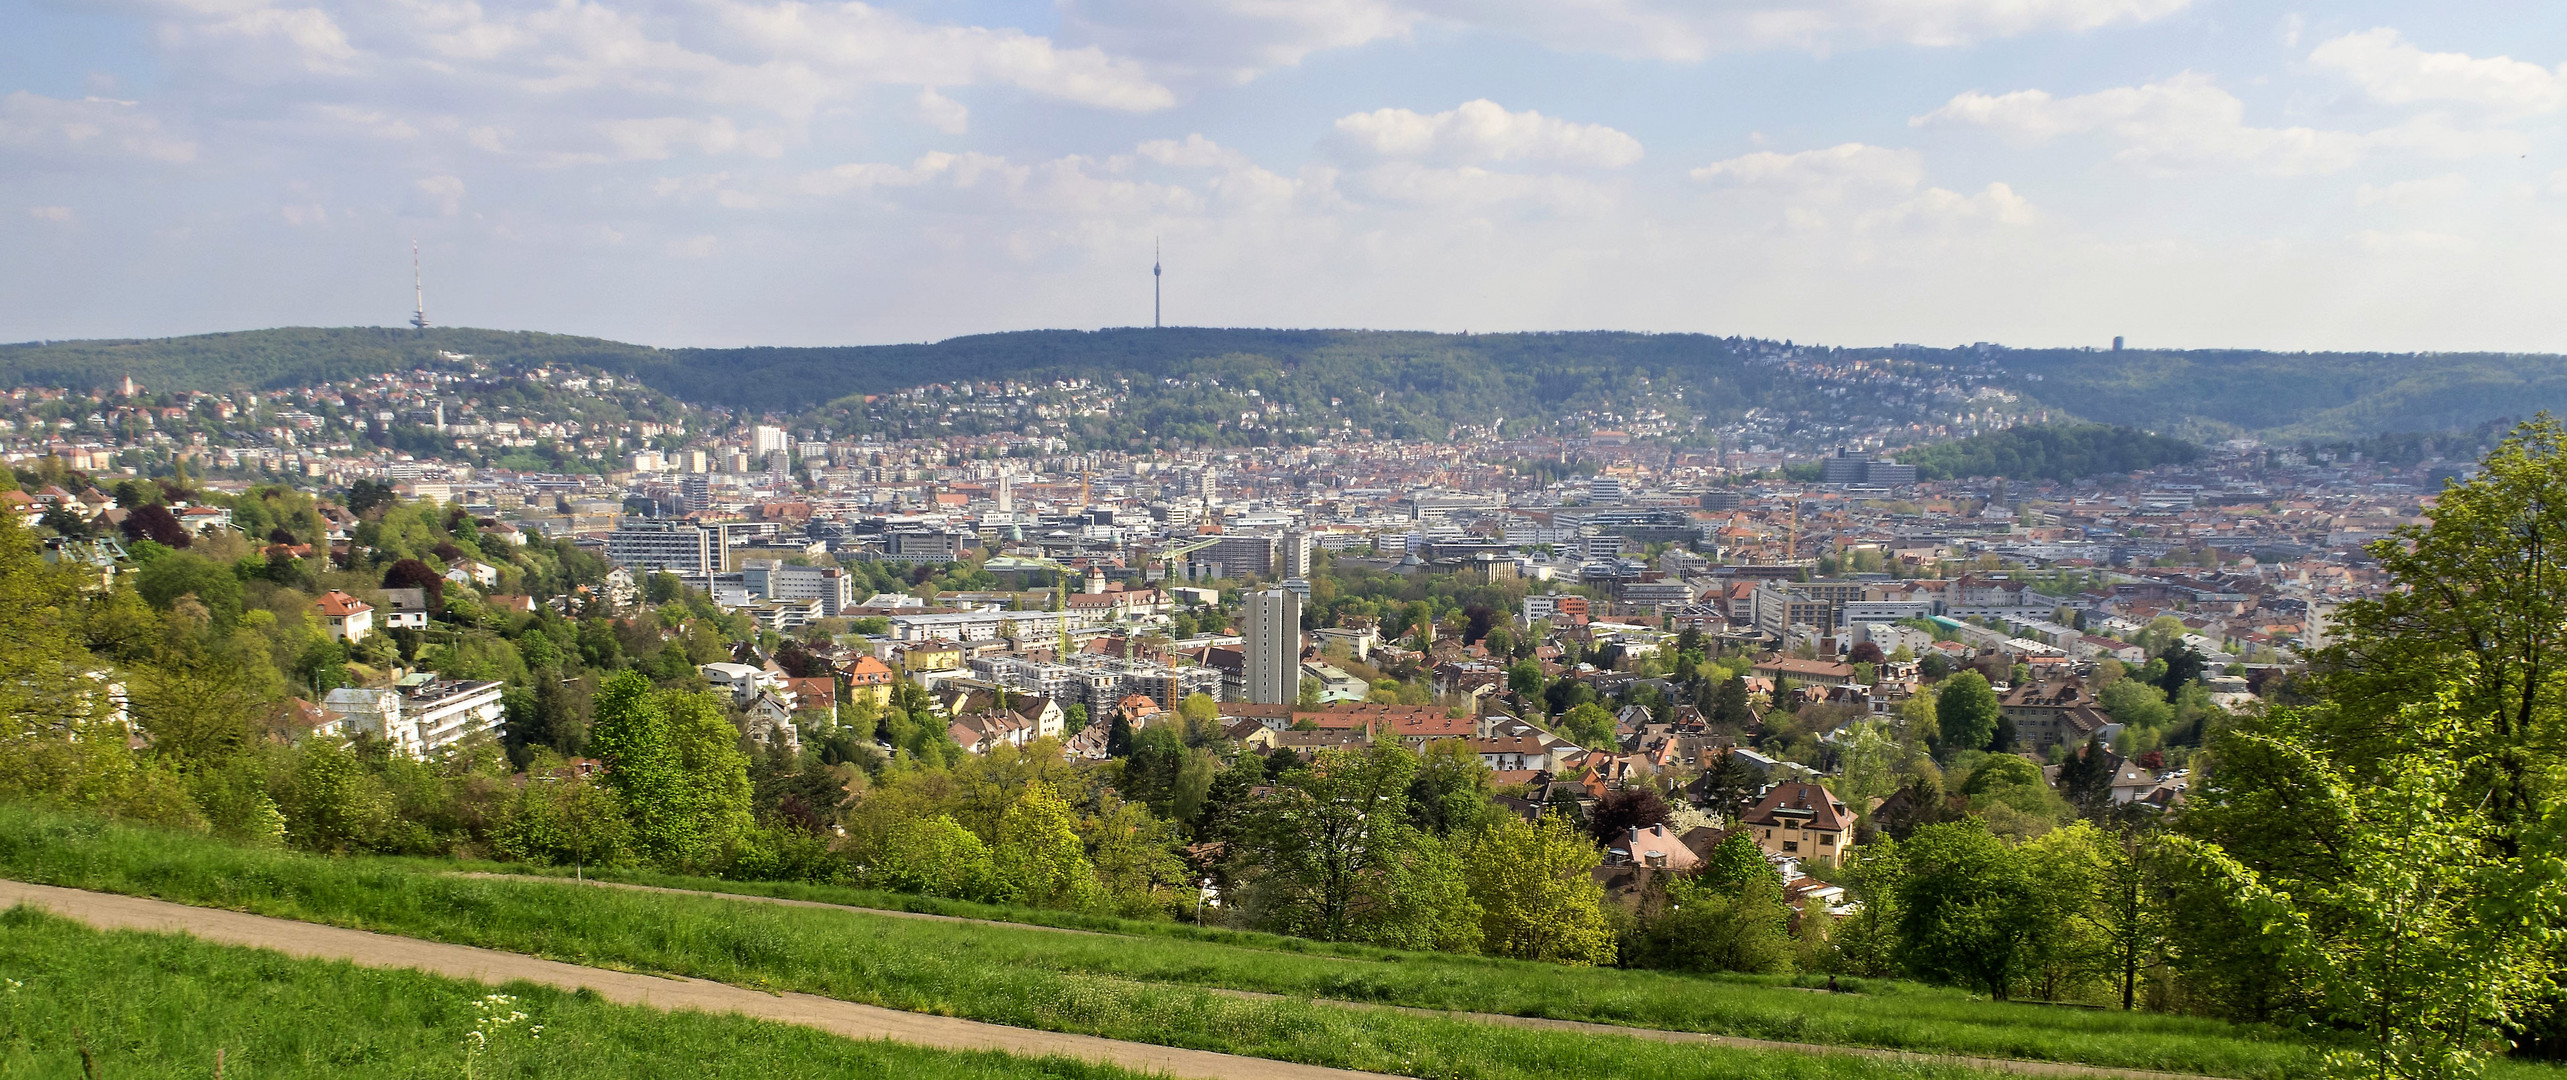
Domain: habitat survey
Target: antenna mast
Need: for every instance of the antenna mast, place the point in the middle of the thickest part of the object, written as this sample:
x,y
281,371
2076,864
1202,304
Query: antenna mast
x,y
418,290
1154,283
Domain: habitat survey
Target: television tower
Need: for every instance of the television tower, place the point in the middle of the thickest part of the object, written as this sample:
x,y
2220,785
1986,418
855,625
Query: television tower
x,y
419,317
1154,283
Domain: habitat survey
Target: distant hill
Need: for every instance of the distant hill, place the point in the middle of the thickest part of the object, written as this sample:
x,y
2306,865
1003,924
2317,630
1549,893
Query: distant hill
x,y
2050,452
1401,383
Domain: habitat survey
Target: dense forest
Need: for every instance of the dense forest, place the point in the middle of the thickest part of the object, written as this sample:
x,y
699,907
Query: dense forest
x,y
2050,452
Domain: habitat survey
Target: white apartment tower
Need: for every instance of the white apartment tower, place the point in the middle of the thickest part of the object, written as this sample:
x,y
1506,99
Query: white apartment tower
x,y
1271,623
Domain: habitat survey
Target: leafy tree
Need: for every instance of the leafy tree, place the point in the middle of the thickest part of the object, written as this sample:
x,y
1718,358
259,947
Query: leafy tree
x,y
1450,794
2135,703
1965,714
1729,706
1537,897
2425,938
164,580
1624,809
1038,858
935,857
1733,863
564,820
1331,847
1591,726
156,524
1118,738
2482,591
1729,786
1708,926
331,803
1970,910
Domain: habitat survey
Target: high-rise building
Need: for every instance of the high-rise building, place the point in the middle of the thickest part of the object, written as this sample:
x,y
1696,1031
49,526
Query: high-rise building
x,y
1293,559
1272,626
679,547
769,440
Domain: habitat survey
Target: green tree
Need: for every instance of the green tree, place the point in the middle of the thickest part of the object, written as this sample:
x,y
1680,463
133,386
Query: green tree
x,y
1965,714
331,803
1589,725
1970,910
2481,590
2135,703
1450,795
1038,858
1330,844
1706,927
564,820
934,856
2415,927
1537,897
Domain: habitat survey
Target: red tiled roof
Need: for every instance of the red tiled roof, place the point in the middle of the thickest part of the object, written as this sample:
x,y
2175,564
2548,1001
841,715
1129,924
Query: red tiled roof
x,y
338,605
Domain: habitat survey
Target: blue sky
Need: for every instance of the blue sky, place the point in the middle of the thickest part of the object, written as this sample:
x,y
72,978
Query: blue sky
x,y
2034,172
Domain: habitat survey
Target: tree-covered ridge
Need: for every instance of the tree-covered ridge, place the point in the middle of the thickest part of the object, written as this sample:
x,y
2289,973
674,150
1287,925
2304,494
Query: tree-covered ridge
x,y
2050,452
1188,383
2208,393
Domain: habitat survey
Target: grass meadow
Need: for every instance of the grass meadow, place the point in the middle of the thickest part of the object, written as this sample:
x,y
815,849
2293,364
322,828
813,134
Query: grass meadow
x,y
1146,982
163,1005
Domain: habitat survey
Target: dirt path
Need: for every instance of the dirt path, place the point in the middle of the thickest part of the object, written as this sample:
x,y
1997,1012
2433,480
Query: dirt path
x,y
2012,1065
315,941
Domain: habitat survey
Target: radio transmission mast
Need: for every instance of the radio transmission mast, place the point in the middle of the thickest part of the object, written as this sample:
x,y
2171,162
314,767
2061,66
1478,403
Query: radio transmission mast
x,y
418,291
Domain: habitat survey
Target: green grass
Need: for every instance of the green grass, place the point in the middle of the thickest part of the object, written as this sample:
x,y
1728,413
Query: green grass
x,y
160,1005
1155,987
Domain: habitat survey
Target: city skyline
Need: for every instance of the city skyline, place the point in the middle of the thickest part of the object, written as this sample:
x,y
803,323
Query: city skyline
x,y
2182,172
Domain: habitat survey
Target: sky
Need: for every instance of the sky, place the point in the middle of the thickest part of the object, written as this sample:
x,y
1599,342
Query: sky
x,y
2187,173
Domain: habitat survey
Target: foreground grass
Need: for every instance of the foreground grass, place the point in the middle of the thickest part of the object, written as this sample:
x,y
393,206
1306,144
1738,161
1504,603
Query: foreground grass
x,y
163,1004
1144,988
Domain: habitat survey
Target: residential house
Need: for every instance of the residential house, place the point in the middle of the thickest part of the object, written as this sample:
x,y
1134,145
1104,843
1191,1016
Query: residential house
x,y
2053,711
1801,820
1655,847
345,617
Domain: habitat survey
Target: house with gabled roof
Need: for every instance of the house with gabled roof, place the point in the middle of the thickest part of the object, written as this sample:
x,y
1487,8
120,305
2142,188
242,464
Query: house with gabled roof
x,y
1801,820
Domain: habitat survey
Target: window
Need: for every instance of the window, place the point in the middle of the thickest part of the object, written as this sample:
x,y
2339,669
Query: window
x,y
1791,845
1827,839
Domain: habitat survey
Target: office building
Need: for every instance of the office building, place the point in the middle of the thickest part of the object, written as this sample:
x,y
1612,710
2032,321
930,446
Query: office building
x,y
652,545
776,579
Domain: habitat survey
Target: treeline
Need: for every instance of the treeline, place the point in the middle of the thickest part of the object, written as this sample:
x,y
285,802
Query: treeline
x,y
2049,452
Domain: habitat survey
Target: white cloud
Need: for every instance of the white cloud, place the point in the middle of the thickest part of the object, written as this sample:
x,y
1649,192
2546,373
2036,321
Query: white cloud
x,y
2188,121
444,193
1936,208
1868,187
302,214
63,128
2393,71
59,215
2429,191
1827,173
1235,40
1194,151
943,113
881,46
661,137
1484,132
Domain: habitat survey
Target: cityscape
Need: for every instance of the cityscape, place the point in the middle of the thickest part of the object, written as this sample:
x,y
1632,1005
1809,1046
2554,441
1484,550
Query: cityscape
x,y
1842,539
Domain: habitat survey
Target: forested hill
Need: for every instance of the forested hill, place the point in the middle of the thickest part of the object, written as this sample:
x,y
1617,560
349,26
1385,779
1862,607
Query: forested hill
x,y
1416,382
2050,452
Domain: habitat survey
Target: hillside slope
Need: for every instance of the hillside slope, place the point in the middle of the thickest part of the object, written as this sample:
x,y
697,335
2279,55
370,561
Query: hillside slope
x,y
1417,382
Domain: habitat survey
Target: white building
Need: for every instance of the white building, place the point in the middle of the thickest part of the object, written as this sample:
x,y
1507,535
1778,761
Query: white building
x,y
345,617
425,715
775,579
